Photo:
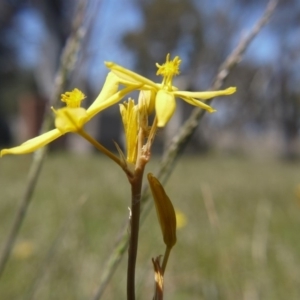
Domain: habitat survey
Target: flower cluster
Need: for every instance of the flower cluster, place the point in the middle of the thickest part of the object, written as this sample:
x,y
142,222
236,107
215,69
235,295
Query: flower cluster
x,y
155,96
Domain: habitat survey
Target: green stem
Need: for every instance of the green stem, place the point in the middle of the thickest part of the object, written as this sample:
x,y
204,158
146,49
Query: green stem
x,y
100,147
165,260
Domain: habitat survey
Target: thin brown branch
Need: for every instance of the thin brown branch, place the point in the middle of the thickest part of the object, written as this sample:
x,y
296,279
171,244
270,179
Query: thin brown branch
x,y
237,54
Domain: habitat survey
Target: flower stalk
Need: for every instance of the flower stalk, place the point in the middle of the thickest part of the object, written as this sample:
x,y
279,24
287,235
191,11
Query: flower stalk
x,y
136,189
139,141
136,192
100,147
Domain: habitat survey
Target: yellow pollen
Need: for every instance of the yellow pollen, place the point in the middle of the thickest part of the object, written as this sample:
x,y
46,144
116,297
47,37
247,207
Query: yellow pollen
x,y
73,98
169,68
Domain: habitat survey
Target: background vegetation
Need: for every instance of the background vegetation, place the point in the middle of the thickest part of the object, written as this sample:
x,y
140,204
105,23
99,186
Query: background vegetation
x,y
245,247
137,34
241,237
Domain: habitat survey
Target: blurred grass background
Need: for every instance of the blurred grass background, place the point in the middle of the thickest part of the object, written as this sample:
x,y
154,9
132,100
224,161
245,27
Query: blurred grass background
x,y
241,240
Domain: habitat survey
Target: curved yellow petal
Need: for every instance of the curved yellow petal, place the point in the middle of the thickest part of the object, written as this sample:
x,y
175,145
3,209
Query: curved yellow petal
x,y
205,95
165,106
198,103
109,88
129,77
115,98
33,144
70,119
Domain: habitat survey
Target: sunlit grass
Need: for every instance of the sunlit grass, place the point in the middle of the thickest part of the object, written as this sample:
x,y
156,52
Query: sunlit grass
x,y
241,236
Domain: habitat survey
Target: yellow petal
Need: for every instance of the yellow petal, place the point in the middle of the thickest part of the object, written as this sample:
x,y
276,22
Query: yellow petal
x,y
205,95
115,98
198,103
165,211
70,119
123,112
165,106
33,144
129,77
109,88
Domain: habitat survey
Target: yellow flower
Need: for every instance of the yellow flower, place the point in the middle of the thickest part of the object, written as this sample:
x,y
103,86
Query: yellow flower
x,y
73,117
165,93
24,250
129,114
180,219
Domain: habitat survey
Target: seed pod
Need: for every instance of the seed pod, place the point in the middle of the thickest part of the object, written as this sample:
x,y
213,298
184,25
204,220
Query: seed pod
x,y
165,211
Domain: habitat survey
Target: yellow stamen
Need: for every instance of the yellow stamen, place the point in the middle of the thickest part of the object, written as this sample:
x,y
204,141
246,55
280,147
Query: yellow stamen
x,y
73,99
168,70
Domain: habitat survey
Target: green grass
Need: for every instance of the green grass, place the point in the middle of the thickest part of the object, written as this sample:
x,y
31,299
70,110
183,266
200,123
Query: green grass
x,y
251,251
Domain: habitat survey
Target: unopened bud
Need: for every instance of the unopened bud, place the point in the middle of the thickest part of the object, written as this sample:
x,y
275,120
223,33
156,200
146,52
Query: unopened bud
x,y
165,211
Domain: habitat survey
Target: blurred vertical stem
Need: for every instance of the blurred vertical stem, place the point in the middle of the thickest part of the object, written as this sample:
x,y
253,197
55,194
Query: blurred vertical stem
x,y
66,66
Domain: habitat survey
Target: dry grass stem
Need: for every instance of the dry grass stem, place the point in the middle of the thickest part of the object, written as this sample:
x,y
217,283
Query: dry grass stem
x,y
210,206
67,63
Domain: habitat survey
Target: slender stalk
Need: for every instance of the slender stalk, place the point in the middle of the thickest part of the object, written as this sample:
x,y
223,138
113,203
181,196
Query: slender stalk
x,y
33,176
165,260
104,150
100,147
136,188
136,182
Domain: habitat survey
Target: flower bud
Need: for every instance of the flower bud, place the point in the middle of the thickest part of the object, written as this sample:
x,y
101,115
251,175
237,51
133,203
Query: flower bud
x,y
165,211
129,114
